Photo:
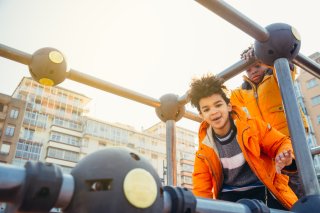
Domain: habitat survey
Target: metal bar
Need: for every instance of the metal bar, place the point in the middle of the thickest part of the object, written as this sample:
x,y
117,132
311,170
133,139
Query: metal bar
x,y
307,64
236,18
210,206
11,180
302,152
171,149
112,88
192,116
315,150
15,55
66,191
236,68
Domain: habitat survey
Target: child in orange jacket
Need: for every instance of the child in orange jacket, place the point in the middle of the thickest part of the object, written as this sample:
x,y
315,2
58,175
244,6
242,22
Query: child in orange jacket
x,y
238,157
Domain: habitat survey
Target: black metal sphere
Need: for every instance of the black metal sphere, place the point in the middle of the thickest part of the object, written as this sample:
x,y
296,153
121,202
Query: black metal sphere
x,y
48,66
284,42
170,108
115,180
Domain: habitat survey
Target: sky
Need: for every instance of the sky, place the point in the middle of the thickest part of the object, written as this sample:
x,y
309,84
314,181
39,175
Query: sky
x,y
153,47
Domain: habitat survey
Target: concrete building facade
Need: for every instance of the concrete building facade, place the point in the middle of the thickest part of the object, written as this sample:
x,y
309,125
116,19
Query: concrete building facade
x,y
11,116
55,129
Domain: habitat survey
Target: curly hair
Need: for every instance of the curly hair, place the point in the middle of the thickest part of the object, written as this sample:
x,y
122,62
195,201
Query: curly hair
x,y
206,86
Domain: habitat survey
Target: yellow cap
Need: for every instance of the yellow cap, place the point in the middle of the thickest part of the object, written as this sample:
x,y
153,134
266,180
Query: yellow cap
x,y
56,57
140,188
46,81
295,33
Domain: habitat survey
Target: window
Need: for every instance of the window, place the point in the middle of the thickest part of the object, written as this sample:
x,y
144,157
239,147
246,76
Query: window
x,y
5,148
312,83
14,113
10,130
28,151
1,107
315,100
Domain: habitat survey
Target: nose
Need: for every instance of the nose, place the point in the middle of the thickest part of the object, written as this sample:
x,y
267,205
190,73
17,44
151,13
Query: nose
x,y
213,111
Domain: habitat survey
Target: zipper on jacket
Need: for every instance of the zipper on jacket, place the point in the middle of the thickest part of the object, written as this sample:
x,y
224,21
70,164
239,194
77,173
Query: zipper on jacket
x,y
203,157
255,94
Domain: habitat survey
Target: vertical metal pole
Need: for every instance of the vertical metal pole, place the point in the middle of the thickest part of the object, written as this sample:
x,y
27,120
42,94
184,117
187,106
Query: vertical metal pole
x,y
171,152
302,152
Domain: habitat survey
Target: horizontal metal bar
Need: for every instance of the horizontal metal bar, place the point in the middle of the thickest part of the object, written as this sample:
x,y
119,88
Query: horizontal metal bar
x,y
15,55
315,150
307,64
236,68
112,88
236,18
192,116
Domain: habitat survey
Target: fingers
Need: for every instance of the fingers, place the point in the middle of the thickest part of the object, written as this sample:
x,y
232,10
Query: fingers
x,y
283,159
248,53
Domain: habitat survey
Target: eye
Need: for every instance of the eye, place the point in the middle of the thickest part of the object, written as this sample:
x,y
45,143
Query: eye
x,y
257,66
205,110
218,105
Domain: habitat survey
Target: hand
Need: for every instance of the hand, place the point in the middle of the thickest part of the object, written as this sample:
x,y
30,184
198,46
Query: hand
x,y
248,53
283,159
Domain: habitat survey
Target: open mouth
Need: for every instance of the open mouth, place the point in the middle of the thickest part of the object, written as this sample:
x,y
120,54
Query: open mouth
x,y
217,118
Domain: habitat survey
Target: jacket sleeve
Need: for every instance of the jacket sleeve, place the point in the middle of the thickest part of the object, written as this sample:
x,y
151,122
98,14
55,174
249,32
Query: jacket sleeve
x,y
236,98
272,141
202,179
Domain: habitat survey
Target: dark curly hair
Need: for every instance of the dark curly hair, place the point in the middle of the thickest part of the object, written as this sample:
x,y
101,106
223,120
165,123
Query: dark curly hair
x,y
206,86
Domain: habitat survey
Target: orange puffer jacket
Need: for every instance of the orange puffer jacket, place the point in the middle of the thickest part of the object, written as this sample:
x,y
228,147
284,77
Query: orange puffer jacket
x,y
259,142
264,101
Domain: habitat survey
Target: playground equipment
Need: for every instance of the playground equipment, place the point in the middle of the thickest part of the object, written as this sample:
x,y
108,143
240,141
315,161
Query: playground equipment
x,y
38,187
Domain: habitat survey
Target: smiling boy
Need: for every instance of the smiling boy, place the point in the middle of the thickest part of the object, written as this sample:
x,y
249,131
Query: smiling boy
x,y
238,157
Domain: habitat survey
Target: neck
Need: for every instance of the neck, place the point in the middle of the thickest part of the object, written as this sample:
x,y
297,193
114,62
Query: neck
x,y
224,130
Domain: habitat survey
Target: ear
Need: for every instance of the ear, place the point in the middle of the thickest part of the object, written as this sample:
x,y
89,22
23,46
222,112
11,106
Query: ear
x,y
229,107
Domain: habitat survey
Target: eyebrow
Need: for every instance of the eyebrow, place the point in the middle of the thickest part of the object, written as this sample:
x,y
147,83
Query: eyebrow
x,y
217,102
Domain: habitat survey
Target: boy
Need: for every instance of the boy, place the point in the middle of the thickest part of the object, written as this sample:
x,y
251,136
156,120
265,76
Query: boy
x,y
238,157
260,95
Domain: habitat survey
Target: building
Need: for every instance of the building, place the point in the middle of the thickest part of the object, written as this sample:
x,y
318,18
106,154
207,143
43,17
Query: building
x,y
55,129
185,146
150,143
310,88
11,116
52,125
308,94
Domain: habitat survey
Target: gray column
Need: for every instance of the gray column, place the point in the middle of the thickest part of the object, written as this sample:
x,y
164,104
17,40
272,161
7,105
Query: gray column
x,y
171,148
302,152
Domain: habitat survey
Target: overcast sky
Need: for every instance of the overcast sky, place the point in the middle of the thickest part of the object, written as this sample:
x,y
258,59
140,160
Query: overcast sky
x,y
153,47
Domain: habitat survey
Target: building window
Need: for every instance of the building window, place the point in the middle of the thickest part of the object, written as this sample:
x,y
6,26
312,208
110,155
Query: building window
x,y
28,151
318,119
315,100
10,130
1,107
5,148
312,83
14,113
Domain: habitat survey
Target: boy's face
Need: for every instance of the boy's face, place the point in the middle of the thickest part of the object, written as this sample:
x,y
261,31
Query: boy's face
x,y
215,111
256,72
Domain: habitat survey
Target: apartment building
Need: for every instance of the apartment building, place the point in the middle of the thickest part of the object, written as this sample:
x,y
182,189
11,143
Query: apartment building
x,y
11,116
51,130
308,94
186,147
310,88
54,129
